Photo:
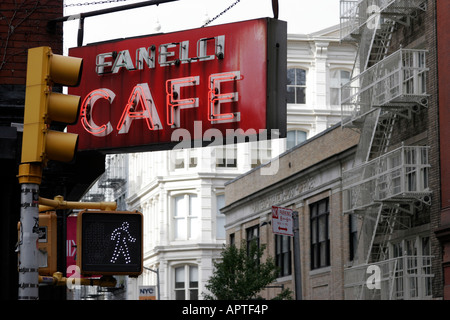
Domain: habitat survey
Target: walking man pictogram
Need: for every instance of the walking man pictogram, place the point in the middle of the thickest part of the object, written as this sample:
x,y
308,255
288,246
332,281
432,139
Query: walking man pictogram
x,y
122,236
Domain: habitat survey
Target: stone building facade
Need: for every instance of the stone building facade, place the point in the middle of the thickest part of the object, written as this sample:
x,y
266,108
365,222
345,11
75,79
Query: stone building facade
x,y
308,182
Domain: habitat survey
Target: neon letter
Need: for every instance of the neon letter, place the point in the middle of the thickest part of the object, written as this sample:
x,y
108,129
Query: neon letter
x,y
123,60
164,53
216,98
174,103
219,48
147,56
100,62
142,96
86,112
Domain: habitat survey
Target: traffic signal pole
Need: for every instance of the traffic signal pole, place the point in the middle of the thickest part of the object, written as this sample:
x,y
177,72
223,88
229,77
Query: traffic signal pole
x,y
29,179
40,144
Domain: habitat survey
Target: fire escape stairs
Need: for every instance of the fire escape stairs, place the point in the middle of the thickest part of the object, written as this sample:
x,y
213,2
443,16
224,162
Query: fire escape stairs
x,y
381,219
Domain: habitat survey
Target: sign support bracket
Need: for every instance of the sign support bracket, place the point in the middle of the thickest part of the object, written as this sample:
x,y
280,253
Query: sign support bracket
x,y
59,203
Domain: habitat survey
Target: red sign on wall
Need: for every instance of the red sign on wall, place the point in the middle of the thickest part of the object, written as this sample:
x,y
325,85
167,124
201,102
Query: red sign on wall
x,y
200,85
71,245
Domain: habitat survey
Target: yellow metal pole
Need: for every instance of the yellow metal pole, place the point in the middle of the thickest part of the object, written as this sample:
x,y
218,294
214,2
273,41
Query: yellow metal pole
x,y
58,280
59,203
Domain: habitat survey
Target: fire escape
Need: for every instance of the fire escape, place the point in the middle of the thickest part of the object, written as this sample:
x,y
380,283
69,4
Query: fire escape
x,y
111,185
385,187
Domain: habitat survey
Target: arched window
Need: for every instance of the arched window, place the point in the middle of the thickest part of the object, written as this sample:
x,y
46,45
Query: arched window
x,y
296,86
294,137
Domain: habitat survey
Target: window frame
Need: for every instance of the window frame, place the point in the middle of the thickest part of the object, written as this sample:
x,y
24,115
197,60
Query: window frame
x,y
187,216
319,249
252,234
220,234
301,85
296,137
340,81
222,156
186,288
283,259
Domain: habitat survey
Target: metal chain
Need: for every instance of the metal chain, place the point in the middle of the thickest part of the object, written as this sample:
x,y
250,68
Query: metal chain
x,y
80,4
220,14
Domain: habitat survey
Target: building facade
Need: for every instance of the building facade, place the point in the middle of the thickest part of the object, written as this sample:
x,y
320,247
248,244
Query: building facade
x,y
180,192
394,186
308,182
391,193
443,62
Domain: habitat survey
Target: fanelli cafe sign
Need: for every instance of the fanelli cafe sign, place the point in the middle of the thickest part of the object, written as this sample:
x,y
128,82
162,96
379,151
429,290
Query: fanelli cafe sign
x,y
200,85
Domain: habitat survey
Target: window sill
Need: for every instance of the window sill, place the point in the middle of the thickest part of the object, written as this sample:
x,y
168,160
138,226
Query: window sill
x,y
320,271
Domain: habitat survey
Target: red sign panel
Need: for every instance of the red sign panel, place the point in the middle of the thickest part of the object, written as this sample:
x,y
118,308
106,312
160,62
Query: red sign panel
x,y
199,85
71,245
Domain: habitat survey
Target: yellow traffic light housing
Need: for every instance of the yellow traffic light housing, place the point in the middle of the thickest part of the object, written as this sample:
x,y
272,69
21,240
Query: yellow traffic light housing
x,y
47,243
42,106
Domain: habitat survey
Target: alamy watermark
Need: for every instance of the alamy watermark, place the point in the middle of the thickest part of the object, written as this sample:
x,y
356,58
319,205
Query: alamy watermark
x,y
373,22
374,280
222,152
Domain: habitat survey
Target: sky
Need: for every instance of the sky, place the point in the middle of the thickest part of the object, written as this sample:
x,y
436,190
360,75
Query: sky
x,y
302,16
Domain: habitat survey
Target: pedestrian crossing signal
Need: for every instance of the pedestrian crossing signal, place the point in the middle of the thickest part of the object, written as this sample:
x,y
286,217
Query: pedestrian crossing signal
x,y
109,242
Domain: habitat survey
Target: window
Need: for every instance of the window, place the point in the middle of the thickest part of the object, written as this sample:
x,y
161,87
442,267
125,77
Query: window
x,y
226,156
412,276
232,239
220,217
283,255
252,236
186,283
294,137
337,79
296,86
320,238
193,158
179,159
186,219
182,156
353,235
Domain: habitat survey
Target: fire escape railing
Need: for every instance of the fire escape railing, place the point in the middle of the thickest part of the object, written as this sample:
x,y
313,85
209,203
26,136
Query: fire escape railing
x,y
356,14
385,188
399,175
397,82
404,277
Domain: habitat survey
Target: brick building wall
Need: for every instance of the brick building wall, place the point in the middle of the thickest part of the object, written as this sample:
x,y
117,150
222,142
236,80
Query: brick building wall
x,y
422,128
23,25
443,62
433,142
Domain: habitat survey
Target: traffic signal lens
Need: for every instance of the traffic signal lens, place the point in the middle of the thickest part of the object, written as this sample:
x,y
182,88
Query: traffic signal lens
x,y
66,70
63,107
61,146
